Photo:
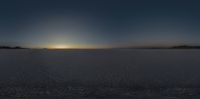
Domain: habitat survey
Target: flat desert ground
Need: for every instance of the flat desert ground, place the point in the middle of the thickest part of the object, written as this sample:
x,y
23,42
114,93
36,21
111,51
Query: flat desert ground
x,y
107,74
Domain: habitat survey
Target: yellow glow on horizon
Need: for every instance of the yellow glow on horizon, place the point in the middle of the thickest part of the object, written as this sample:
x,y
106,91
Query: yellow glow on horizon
x,y
60,47
70,46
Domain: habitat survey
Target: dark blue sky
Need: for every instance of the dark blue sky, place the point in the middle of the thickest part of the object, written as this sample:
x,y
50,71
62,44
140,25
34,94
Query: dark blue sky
x,y
99,23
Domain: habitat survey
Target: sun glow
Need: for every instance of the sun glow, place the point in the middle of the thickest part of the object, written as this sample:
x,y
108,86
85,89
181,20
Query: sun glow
x,y
60,47
72,46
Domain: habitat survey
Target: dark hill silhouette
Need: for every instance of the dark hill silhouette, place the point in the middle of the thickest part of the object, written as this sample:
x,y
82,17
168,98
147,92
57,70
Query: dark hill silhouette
x,y
9,47
186,47
153,47
175,47
161,47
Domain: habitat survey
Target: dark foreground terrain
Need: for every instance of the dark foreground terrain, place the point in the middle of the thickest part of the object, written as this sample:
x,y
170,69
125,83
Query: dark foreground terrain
x,y
197,97
94,74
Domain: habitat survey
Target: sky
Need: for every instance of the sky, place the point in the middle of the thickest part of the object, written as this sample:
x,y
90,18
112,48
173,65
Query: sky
x,y
99,23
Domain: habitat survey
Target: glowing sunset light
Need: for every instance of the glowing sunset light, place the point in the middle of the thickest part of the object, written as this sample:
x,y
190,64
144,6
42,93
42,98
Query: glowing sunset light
x,y
60,47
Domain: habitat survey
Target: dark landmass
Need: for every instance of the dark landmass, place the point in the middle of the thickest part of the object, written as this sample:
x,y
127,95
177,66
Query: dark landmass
x,y
72,92
9,47
169,47
158,82
56,91
153,47
185,47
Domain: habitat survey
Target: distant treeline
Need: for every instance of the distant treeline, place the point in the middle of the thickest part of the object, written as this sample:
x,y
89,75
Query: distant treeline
x,y
9,47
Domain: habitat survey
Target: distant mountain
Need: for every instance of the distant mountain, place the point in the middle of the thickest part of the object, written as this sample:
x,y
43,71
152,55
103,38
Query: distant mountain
x,y
160,47
9,47
175,47
185,47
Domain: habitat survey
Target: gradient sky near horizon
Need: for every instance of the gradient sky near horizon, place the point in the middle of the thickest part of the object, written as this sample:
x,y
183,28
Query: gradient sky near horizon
x,y
99,23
